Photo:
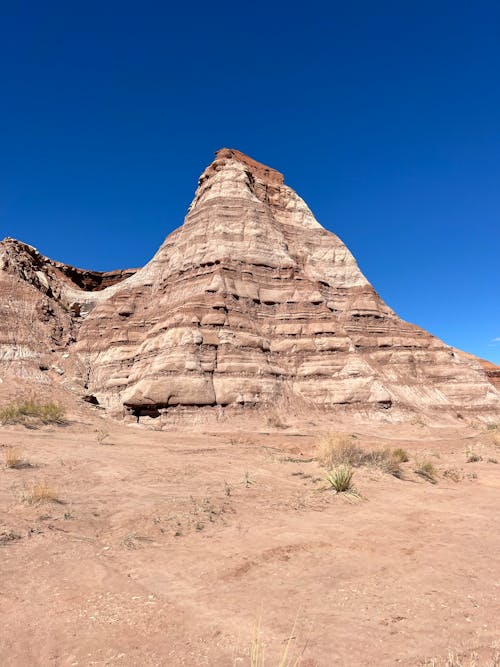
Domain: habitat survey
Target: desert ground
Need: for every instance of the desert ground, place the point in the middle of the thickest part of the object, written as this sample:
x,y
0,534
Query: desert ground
x,y
198,543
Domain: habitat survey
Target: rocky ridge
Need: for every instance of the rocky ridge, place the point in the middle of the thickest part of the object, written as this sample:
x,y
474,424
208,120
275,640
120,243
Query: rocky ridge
x,y
251,302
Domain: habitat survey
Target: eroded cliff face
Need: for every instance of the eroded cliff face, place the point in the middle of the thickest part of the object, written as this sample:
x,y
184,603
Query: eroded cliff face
x,y
40,304
249,302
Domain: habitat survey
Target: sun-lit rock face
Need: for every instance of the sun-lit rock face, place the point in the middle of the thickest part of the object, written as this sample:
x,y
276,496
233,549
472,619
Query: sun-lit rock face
x,y
41,303
250,302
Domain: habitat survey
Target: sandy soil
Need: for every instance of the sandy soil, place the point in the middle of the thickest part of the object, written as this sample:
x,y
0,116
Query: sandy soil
x,y
170,547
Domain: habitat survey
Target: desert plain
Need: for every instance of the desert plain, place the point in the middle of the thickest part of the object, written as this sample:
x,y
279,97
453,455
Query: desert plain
x,y
209,539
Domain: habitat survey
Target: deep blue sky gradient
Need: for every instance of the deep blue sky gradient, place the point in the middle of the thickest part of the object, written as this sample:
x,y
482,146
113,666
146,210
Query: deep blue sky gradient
x,y
384,116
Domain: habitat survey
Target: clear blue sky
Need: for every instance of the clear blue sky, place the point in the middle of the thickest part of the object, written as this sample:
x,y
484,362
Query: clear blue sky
x,y
384,116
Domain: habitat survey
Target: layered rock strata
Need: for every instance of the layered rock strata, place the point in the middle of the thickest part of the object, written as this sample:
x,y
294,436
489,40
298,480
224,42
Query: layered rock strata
x,y
40,302
249,302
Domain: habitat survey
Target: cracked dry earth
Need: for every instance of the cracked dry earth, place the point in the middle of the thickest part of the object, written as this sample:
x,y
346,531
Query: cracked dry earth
x,y
168,547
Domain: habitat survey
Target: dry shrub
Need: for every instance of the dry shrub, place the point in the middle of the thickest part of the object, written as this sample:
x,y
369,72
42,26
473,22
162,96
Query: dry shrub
x,y
391,465
275,421
453,473
467,659
289,656
13,458
102,434
7,536
40,492
472,456
338,449
385,460
426,470
32,410
401,455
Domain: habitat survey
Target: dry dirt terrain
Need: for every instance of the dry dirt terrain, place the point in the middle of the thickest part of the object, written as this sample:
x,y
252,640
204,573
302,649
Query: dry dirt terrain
x,y
185,546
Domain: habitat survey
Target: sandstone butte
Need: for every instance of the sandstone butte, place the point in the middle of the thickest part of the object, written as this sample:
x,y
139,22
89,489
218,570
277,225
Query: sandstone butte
x,y
250,303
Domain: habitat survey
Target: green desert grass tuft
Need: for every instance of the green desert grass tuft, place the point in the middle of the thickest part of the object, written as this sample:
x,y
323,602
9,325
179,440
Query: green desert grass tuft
x,y
340,478
30,410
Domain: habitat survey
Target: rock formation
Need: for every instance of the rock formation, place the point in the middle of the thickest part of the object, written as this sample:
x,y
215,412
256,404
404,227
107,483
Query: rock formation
x,y
250,302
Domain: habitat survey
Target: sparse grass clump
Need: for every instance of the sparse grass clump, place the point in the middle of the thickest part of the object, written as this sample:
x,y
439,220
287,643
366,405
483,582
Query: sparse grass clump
x,y
401,455
426,470
101,435
247,480
467,659
338,449
391,465
7,536
385,460
13,458
288,656
453,473
32,410
472,456
40,492
275,421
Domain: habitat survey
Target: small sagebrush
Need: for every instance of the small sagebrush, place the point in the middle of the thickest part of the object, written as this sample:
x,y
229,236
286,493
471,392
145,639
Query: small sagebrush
x,y
32,410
